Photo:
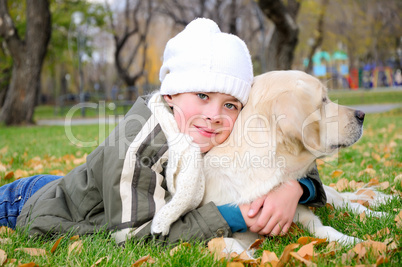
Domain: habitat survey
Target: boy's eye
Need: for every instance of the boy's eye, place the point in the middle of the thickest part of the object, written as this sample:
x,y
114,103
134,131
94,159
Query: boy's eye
x,y
230,106
202,96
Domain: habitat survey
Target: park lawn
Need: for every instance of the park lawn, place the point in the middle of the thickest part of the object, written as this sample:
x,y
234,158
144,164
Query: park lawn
x,y
365,97
48,149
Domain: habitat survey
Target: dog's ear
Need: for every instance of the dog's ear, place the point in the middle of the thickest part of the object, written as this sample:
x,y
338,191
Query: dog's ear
x,y
296,128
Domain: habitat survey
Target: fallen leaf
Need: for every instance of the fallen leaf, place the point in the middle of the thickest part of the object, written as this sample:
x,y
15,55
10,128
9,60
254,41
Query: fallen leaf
x,y
179,247
342,184
307,251
32,251
9,175
75,247
381,260
365,191
398,220
74,238
3,168
362,216
56,244
360,250
106,258
299,258
30,264
5,231
235,264
304,240
145,259
216,247
256,244
285,257
3,257
376,156
269,257
20,174
336,173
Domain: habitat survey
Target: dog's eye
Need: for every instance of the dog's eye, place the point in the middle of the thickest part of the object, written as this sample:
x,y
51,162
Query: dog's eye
x,y
324,99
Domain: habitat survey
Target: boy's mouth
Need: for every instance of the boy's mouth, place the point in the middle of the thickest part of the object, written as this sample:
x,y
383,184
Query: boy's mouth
x,y
206,131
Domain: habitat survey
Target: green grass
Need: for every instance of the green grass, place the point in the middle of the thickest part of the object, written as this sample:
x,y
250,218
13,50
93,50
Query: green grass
x,y
379,148
366,97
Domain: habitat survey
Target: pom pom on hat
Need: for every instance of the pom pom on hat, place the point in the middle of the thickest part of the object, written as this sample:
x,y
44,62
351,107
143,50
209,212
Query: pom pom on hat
x,y
203,59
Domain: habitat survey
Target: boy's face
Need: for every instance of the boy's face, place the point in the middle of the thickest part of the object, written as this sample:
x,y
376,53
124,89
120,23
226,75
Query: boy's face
x,y
207,117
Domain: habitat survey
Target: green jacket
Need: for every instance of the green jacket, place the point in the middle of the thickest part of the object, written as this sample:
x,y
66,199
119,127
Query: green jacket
x,y
120,188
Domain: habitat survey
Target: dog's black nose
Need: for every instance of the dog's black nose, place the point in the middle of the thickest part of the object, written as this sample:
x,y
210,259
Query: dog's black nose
x,y
359,115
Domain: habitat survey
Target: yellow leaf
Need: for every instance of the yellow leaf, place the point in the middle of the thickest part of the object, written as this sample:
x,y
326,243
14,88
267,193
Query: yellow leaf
x,y
398,220
376,156
74,238
20,174
342,184
216,246
304,240
307,251
142,260
9,175
336,173
179,247
235,264
75,247
301,259
32,251
30,264
5,231
56,244
3,257
257,243
106,258
269,257
285,257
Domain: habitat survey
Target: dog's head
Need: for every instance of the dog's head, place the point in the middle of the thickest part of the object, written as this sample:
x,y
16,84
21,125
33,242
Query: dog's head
x,y
304,117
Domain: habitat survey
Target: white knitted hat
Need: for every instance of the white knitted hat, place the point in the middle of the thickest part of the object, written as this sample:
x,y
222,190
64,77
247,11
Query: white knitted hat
x,y
203,59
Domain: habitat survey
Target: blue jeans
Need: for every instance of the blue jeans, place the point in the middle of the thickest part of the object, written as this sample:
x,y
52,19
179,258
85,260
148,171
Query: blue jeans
x,y
14,195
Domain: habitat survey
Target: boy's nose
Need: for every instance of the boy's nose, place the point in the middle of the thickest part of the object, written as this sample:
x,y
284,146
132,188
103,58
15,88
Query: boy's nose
x,y
213,114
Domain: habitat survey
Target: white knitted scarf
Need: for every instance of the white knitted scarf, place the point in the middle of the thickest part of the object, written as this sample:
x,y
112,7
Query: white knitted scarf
x,y
184,176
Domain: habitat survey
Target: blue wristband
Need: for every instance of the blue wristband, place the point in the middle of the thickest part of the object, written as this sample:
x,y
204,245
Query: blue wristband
x,y
233,217
309,191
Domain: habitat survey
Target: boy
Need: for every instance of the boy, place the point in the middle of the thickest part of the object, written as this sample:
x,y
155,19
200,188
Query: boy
x,y
205,78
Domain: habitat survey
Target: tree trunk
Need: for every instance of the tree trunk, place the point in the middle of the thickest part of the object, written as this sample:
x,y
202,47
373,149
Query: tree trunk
x,y
285,36
27,57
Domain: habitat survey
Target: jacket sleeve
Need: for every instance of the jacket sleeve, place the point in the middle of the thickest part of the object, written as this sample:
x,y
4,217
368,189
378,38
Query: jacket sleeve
x,y
320,199
201,224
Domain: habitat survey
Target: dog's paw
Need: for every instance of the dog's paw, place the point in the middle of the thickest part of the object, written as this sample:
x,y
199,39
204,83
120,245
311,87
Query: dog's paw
x,y
159,228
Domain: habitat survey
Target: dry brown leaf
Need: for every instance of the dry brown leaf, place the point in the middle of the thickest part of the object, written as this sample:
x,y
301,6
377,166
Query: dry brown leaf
x,y
342,184
33,251
365,191
336,174
307,251
362,216
4,150
376,156
106,258
9,175
378,248
381,233
371,172
381,260
257,243
384,185
74,238
348,256
235,264
398,179
20,174
355,185
392,246
373,182
398,220
216,246
3,257
179,247
301,259
56,244
145,259
360,250
304,240
30,264
3,168
269,257
285,257
75,247
5,231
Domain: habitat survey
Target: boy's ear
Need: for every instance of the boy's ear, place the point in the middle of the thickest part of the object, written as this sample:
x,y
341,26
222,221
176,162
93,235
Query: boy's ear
x,y
168,99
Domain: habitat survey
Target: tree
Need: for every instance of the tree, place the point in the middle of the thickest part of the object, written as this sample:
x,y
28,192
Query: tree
x,y
131,41
285,36
27,55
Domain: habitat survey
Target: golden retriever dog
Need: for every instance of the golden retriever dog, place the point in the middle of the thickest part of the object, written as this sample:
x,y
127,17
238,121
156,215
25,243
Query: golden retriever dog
x,y
286,125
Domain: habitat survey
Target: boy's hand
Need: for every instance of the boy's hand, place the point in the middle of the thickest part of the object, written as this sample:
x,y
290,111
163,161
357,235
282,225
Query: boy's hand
x,y
273,213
